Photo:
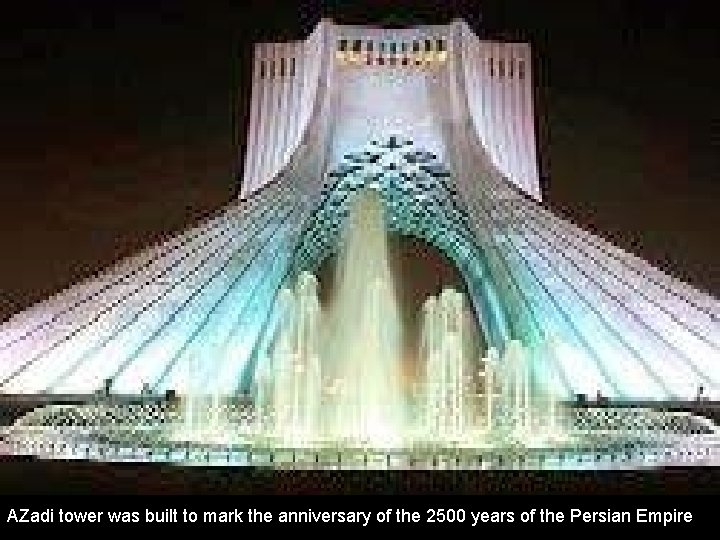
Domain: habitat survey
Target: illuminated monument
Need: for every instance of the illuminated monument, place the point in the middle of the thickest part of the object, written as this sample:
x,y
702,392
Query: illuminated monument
x,y
354,133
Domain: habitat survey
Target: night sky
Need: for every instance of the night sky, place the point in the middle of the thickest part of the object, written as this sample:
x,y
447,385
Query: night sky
x,y
124,121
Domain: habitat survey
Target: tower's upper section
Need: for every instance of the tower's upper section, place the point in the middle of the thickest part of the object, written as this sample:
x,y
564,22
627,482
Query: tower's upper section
x,y
372,82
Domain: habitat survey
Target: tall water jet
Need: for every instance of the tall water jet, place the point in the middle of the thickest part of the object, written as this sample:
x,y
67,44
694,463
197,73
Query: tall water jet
x,y
364,345
287,400
445,351
203,415
296,392
514,403
490,368
284,408
194,410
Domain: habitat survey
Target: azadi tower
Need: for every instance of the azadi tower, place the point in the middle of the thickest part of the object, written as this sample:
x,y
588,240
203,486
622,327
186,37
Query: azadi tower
x,y
440,124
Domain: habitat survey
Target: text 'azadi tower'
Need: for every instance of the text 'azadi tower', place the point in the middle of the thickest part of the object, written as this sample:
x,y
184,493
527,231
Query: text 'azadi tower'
x,y
440,124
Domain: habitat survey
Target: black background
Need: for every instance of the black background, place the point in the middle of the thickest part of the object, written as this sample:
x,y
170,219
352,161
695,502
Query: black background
x,y
125,121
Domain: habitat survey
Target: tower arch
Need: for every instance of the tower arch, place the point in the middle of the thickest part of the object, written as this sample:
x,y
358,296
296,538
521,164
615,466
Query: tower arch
x,y
418,203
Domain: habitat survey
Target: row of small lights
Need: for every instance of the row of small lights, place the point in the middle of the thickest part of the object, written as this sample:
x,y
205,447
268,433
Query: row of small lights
x,y
349,57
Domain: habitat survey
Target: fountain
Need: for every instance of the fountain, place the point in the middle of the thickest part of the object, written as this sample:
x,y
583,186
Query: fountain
x,y
363,349
336,375
329,392
203,416
195,410
333,378
293,412
445,348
